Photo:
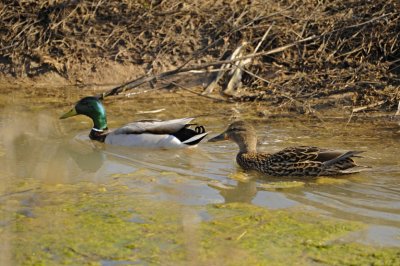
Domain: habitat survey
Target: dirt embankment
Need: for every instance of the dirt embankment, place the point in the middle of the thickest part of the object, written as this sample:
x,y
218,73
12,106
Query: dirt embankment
x,y
352,55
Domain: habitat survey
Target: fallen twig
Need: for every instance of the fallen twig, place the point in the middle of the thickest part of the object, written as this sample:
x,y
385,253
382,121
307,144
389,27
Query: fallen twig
x,y
372,105
362,108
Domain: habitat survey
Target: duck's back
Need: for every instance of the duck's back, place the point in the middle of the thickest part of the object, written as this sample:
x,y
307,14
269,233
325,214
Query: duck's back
x,y
299,161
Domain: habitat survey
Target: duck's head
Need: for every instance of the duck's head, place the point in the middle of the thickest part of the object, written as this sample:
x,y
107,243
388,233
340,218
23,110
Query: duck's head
x,y
242,133
91,107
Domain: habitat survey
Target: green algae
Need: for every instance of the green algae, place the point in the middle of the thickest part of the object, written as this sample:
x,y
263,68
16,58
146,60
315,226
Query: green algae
x,y
330,181
86,224
281,185
291,238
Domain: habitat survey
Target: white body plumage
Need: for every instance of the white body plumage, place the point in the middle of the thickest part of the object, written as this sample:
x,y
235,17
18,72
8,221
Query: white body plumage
x,y
145,140
152,134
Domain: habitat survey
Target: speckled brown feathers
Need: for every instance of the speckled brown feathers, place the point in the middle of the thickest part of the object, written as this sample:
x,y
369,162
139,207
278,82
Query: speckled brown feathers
x,y
293,161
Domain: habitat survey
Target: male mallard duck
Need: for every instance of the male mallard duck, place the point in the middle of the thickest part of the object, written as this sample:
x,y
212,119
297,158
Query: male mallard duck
x,y
293,161
152,134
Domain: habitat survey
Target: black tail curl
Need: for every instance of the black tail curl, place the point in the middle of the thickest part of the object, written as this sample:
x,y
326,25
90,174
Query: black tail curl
x,y
187,133
200,130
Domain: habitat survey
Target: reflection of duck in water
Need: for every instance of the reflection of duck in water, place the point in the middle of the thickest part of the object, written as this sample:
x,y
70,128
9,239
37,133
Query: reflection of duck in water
x,y
152,134
88,159
293,161
242,192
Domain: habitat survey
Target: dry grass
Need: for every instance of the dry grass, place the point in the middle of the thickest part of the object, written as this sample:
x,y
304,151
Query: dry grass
x,y
356,46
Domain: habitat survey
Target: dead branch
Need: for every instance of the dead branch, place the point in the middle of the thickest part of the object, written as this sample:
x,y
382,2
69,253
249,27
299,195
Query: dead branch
x,y
224,67
144,79
369,106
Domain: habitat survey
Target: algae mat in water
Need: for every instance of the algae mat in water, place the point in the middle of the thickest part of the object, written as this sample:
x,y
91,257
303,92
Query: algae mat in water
x,y
90,224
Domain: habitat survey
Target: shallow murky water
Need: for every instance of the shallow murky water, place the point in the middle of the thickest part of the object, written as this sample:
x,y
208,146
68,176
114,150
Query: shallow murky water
x,y
39,150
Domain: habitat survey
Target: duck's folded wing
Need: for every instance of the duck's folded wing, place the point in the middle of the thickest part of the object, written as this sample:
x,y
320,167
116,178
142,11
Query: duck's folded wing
x,y
296,154
154,127
311,153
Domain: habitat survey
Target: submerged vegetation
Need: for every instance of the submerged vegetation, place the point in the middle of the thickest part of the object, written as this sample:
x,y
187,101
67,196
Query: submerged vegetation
x,y
122,225
346,52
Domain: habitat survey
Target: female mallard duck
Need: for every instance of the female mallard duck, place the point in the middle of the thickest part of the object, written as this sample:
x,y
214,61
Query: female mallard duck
x,y
294,161
150,134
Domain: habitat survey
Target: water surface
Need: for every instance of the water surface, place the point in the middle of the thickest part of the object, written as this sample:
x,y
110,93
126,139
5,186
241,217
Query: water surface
x,y
38,150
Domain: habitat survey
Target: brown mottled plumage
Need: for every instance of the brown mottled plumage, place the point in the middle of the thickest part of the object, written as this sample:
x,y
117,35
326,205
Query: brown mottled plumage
x,y
293,161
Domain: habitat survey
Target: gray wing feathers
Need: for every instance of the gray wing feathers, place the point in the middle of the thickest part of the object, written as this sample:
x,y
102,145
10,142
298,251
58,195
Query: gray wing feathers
x,y
154,127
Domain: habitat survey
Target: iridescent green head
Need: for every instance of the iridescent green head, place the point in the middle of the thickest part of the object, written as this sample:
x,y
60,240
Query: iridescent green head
x,y
91,107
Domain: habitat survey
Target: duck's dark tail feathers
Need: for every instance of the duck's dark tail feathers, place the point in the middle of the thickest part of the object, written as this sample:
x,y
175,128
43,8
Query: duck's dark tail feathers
x,y
342,157
195,139
190,136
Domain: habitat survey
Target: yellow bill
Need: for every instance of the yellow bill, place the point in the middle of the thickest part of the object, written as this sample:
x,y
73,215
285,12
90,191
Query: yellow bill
x,y
70,113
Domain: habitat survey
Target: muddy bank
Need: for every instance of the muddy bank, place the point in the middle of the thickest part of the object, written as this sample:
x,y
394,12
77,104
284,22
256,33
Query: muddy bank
x,y
351,57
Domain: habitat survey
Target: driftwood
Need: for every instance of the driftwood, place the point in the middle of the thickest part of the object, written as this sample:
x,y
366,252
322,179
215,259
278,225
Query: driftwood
x,y
217,77
235,75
